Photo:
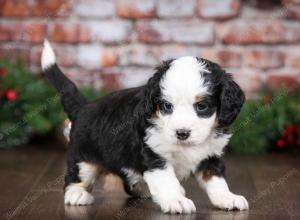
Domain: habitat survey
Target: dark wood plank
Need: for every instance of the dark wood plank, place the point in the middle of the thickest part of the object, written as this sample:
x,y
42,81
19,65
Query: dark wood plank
x,y
21,170
277,179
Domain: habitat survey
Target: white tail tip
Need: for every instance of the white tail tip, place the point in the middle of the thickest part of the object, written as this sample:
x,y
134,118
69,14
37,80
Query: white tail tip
x,y
48,56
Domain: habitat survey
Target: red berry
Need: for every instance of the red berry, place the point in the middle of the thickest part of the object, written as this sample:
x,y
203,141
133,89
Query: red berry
x,y
280,143
11,95
290,128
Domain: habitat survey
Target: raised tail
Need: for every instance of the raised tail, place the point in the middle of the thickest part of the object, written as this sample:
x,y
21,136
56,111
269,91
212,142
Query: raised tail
x,y
71,98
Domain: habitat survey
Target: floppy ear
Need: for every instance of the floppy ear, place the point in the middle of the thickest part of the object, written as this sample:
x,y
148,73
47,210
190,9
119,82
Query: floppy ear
x,y
152,88
231,96
151,94
232,99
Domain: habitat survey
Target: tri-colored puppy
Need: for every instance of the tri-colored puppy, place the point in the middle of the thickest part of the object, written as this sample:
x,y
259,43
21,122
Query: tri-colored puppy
x,y
159,134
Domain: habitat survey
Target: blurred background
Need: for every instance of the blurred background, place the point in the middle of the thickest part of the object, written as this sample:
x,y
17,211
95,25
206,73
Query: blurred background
x,y
104,45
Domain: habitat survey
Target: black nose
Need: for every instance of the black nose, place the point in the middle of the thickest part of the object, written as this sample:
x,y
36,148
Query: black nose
x,y
183,134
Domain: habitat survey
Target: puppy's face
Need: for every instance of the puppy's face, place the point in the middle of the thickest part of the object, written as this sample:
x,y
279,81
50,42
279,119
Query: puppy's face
x,y
189,102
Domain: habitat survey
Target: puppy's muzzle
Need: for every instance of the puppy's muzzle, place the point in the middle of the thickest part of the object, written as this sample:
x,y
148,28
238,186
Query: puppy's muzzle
x,y
183,134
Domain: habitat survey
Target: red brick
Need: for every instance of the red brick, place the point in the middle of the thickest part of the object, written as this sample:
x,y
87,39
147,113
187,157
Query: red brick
x,y
34,32
10,31
264,59
11,51
16,31
93,56
14,8
292,8
179,31
292,57
269,32
110,80
65,55
109,59
289,80
138,55
251,81
109,31
51,8
216,9
81,77
176,8
224,57
70,33
136,8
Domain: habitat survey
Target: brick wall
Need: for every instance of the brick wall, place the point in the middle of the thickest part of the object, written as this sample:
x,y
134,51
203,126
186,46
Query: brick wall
x,y
116,43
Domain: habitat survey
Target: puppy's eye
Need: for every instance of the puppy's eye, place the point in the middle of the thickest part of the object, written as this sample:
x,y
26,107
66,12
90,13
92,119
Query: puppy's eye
x,y
166,107
200,107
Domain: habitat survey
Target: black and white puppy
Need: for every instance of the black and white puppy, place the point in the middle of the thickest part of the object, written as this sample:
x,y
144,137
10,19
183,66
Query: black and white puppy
x,y
155,135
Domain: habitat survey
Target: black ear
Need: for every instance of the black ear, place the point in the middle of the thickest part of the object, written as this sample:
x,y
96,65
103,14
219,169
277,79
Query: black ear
x,y
152,88
231,96
232,99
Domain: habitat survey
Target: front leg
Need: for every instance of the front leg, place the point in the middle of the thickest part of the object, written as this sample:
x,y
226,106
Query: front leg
x,y
167,192
210,176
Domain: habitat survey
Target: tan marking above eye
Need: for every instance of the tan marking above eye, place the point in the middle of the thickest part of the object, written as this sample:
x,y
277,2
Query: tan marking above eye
x,y
207,175
198,98
156,113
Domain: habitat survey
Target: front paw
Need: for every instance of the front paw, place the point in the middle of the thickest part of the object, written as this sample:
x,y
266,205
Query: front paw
x,y
76,195
229,201
179,204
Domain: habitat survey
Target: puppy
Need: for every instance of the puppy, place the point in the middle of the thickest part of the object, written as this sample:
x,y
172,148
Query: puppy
x,y
153,136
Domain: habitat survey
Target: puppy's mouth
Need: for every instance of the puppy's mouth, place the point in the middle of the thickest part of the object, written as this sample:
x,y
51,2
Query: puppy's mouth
x,y
184,143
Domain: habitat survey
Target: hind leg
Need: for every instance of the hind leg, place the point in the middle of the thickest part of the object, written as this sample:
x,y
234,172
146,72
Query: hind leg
x,y
134,184
79,182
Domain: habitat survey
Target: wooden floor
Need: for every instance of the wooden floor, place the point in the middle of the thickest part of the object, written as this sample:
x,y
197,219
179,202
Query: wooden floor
x,y
31,188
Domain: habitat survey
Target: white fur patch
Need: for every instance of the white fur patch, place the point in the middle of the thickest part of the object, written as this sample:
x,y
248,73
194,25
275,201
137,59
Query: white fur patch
x,y
48,56
182,81
67,129
77,195
88,173
131,175
167,192
220,195
185,159
180,86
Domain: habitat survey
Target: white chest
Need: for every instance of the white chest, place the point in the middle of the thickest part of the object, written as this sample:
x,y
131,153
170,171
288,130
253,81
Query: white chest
x,y
185,159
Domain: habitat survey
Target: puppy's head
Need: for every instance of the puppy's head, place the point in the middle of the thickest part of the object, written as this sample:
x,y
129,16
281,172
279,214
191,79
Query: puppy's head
x,y
190,97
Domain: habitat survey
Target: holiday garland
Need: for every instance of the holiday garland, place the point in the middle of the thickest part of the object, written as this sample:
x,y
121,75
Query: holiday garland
x,y
28,105
271,123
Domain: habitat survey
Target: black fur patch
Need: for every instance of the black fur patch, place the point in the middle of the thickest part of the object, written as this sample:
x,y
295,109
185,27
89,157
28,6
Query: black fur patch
x,y
71,98
111,130
212,166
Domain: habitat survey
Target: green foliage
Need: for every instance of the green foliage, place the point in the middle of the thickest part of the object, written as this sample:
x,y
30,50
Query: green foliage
x,y
91,93
36,109
262,122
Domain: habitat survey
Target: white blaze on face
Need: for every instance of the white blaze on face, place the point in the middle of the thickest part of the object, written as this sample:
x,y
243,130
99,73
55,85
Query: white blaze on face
x,y
180,86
